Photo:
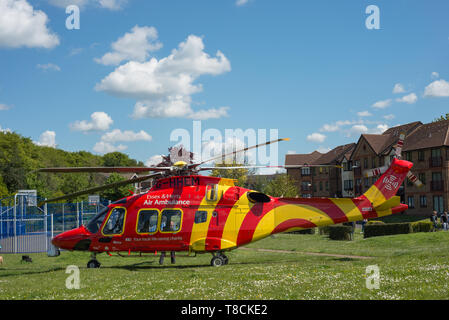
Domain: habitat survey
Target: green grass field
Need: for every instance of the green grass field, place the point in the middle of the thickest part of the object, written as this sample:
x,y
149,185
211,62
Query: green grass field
x,y
412,266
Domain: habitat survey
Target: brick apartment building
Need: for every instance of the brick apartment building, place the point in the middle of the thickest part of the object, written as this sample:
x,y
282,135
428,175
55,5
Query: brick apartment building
x,y
426,145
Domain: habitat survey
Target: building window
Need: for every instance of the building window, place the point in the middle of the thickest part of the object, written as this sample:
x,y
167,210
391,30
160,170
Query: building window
x,y
365,163
366,182
411,202
421,155
348,185
373,162
409,156
423,201
422,177
321,186
327,185
305,171
438,204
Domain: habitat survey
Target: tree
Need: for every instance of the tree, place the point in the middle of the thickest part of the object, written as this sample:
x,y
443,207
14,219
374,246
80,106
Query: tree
x,y
114,194
118,159
442,118
240,175
282,186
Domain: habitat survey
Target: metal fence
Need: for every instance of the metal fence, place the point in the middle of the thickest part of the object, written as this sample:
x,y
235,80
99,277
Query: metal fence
x,y
27,228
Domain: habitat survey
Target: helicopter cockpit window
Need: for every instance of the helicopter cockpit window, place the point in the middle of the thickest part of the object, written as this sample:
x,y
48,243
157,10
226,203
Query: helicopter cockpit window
x,y
115,223
94,224
211,192
147,221
171,220
200,216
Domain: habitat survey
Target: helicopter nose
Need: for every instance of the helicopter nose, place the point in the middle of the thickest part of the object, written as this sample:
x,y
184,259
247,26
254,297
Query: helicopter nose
x,y
76,239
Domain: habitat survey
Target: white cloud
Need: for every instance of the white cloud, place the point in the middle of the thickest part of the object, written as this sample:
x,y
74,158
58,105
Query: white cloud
x,y
336,126
154,160
105,147
125,136
49,66
22,26
435,75
398,88
101,121
135,45
47,139
107,4
358,129
389,117
322,149
438,88
112,4
291,152
364,114
316,137
410,98
163,88
65,3
381,128
240,3
4,107
382,104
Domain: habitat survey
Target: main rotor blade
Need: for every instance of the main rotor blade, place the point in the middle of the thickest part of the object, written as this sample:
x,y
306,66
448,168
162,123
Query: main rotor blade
x,y
104,187
237,151
102,169
280,167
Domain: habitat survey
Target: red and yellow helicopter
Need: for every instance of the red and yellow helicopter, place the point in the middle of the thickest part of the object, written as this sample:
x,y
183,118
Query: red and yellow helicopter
x,y
185,211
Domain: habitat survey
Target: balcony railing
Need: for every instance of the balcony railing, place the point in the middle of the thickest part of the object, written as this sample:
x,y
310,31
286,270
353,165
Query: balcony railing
x,y
435,162
437,185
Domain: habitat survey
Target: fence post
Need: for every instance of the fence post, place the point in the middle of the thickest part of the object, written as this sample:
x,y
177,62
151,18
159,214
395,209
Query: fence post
x,y
46,226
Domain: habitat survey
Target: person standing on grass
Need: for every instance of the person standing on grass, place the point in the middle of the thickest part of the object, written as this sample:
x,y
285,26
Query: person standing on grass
x,y
444,221
434,219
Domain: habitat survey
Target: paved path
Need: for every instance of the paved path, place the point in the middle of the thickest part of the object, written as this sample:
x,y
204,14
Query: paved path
x,y
309,253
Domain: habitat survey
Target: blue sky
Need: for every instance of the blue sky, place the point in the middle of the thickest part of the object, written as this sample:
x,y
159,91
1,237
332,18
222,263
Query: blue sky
x,y
310,69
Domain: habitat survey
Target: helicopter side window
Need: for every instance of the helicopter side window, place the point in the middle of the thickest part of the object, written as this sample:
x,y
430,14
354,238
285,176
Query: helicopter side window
x,y
94,224
211,192
147,221
171,220
115,223
200,216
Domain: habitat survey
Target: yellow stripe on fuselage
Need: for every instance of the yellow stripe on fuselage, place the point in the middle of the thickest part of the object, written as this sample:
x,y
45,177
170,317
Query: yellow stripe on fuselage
x,y
375,196
234,222
286,212
199,230
349,208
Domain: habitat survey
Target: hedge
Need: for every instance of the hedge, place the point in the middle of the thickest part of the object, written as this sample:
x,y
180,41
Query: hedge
x,y
375,230
339,232
305,231
422,226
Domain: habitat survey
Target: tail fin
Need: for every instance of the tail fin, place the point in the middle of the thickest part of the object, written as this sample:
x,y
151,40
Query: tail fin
x,y
388,184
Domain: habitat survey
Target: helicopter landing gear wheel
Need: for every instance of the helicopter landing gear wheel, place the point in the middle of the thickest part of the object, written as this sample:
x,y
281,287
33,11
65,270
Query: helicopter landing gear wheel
x,y
93,264
219,259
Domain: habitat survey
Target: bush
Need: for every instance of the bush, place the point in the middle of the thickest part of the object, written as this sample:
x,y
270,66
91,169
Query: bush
x,y
324,230
305,231
376,230
340,232
372,222
422,226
